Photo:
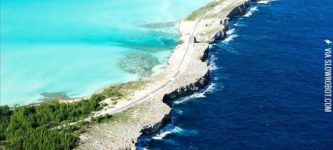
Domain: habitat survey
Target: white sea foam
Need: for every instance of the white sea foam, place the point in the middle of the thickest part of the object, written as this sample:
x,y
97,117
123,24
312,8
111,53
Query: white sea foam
x,y
168,129
239,24
230,38
178,130
212,66
212,63
193,96
250,11
175,130
265,1
171,128
184,132
210,88
160,136
231,31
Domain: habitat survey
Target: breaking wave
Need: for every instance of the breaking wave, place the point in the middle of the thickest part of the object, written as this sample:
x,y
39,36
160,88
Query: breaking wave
x,y
168,129
171,129
264,1
230,38
210,88
212,63
250,11
231,31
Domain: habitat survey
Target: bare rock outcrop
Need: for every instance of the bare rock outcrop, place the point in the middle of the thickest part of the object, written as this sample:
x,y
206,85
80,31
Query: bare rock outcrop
x,y
187,72
122,130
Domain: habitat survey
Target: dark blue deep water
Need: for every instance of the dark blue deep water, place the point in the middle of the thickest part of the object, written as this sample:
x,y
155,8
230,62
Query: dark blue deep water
x,y
267,88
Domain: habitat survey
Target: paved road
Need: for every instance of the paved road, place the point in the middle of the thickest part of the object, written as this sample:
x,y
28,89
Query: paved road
x,y
179,71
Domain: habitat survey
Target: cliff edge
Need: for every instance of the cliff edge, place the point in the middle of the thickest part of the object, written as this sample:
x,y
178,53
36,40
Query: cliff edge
x,y
187,72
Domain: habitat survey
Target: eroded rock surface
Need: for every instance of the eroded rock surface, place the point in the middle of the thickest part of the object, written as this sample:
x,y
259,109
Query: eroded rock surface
x,y
187,71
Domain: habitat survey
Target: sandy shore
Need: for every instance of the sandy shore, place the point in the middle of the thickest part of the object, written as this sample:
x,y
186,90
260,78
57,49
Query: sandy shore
x,y
187,71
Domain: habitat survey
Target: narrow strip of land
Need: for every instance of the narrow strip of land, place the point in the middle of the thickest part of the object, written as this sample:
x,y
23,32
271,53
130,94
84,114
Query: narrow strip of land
x,y
189,47
187,71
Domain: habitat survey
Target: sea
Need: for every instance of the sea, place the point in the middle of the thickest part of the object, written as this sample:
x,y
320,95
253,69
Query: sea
x,y
267,85
74,48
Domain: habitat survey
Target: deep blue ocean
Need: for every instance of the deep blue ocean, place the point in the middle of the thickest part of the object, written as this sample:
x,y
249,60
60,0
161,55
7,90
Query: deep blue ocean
x,y
267,87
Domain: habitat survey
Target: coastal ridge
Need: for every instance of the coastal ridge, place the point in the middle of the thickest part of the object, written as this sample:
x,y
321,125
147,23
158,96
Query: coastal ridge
x,y
187,72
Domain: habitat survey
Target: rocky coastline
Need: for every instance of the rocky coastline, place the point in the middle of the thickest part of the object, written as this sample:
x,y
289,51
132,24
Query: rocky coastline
x,y
187,72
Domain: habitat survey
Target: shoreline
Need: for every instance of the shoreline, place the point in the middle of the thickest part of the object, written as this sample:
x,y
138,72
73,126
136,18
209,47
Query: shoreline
x,y
126,111
182,76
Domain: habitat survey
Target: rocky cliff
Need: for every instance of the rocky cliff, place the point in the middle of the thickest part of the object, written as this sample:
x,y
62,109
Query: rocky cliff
x,y
186,73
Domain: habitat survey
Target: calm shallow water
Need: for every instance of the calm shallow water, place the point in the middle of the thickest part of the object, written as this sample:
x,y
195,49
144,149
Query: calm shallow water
x,y
267,87
75,46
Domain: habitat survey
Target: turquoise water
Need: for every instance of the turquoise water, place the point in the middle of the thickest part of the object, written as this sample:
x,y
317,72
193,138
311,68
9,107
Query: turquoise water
x,y
75,46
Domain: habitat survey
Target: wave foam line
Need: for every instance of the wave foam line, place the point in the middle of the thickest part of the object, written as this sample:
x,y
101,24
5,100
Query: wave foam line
x,y
231,31
211,87
264,1
212,63
174,130
250,11
230,38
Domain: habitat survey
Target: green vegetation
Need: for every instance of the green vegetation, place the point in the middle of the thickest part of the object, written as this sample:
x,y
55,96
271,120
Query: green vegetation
x,y
201,11
5,114
131,114
33,126
46,125
124,116
119,91
101,119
